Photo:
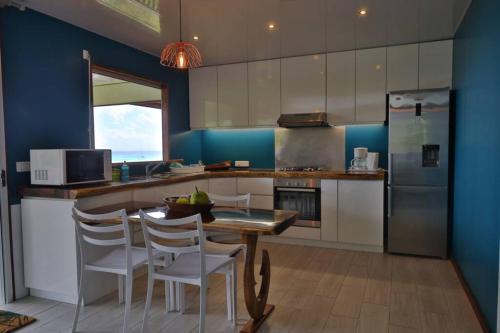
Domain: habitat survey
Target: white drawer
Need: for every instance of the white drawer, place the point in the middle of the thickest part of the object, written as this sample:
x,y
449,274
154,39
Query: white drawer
x,y
262,201
262,186
303,233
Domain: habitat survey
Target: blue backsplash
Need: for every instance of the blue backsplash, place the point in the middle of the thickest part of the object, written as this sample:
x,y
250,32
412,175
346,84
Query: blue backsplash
x,y
257,145
254,145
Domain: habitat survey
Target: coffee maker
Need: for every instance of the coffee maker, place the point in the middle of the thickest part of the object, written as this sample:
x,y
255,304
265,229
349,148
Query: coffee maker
x,y
359,160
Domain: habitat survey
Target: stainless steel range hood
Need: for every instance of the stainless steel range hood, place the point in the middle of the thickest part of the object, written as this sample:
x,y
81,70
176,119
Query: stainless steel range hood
x,y
315,119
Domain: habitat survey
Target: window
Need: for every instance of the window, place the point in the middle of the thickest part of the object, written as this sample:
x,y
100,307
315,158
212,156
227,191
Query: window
x,y
128,119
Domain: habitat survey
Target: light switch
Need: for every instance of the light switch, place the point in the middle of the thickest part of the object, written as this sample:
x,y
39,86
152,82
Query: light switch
x,y
23,166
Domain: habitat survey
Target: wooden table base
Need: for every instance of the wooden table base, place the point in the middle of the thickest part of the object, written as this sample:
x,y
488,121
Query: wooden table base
x,y
256,305
253,325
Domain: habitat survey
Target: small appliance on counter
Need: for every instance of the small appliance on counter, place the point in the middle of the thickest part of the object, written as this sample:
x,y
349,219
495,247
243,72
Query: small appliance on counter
x,y
364,161
70,166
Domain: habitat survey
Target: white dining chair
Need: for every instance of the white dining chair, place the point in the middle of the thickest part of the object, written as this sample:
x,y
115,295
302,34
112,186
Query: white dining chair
x,y
191,264
217,243
122,259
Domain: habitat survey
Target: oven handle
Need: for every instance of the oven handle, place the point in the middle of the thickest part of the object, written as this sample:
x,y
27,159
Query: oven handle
x,y
289,189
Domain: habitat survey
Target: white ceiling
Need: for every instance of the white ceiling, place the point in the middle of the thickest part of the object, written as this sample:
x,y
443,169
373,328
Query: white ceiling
x,y
236,30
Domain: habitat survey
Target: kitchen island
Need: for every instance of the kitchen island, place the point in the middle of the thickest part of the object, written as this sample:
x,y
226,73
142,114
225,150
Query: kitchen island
x,y
351,214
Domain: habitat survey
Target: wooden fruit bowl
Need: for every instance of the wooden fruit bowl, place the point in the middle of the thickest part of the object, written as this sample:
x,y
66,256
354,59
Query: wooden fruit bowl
x,y
187,209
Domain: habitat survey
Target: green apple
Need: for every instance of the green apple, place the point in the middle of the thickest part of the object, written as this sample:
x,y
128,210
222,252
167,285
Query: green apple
x,y
182,200
199,198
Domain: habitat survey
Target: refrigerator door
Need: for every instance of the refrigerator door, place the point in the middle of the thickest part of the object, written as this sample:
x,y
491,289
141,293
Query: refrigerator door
x,y
417,220
418,138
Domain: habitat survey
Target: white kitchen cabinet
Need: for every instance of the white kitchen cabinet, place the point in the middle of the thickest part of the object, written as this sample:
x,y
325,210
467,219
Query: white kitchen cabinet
x,y
361,212
232,92
402,67
264,92
157,193
329,210
222,186
371,85
303,83
261,186
262,201
341,87
203,97
435,64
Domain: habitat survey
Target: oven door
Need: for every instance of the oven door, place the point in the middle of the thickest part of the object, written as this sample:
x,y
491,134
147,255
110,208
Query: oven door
x,y
307,201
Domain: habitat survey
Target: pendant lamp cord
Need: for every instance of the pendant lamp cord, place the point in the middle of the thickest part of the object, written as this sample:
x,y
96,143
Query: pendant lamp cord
x,y
180,20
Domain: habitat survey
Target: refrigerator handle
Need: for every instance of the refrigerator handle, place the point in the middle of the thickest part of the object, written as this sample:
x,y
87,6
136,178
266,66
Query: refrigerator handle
x,y
389,201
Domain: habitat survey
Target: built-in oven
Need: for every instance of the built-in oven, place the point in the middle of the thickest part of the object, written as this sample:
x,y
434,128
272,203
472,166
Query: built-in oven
x,y
302,195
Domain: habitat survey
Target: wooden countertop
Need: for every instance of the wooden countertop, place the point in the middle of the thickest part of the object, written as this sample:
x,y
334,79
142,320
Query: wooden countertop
x,y
76,192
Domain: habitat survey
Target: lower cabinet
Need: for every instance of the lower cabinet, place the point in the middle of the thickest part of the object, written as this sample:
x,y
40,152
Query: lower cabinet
x,y
329,210
361,212
222,186
261,190
156,194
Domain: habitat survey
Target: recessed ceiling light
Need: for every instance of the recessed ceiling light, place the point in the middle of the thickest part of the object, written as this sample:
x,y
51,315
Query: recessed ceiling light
x,y
271,26
363,12
196,37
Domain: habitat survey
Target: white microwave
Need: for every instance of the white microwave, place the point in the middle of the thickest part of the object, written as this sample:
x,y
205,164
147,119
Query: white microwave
x,y
70,166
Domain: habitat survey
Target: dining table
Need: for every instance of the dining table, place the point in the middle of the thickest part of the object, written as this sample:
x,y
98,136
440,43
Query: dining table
x,y
249,223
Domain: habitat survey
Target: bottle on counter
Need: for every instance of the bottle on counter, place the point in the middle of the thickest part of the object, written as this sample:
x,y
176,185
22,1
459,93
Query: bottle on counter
x,y
124,172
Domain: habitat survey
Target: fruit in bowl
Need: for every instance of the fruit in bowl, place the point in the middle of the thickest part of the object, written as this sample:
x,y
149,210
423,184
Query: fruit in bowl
x,y
197,203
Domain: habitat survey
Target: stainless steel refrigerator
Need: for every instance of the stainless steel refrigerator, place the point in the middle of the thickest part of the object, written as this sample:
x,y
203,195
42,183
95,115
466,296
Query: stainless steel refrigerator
x,y
417,194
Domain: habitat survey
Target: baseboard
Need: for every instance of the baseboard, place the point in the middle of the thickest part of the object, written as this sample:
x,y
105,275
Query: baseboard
x,y
319,243
472,300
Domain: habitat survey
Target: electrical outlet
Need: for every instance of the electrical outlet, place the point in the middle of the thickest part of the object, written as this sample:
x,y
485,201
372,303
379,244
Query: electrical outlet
x,y
23,166
242,164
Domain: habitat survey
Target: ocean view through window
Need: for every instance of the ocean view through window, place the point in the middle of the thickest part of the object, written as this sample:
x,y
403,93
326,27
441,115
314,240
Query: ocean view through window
x,y
133,133
129,116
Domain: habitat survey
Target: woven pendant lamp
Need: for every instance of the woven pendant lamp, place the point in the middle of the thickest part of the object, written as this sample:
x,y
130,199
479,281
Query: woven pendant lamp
x,y
181,55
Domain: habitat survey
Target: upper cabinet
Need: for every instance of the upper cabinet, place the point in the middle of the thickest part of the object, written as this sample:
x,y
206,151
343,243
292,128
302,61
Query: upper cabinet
x,y
232,95
303,83
341,87
370,85
351,86
264,92
402,67
436,61
203,97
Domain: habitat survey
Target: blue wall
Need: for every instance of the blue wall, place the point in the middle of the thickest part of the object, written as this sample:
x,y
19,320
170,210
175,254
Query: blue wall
x,y
476,78
46,87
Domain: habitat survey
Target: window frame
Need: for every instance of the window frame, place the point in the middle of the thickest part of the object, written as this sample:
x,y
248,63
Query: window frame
x,y
98,69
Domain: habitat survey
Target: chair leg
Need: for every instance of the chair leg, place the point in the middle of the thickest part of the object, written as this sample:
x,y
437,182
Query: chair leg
x,y
203,307
171,298
128,299
229,295
149,297
167,296
81,290
234,294
120,289
182,298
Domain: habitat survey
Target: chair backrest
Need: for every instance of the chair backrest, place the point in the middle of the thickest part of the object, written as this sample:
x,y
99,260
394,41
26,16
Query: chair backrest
x,y
153,235
242,200
99,230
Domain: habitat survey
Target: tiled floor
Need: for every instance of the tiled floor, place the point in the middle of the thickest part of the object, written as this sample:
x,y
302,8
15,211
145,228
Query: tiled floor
x,y
314,290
